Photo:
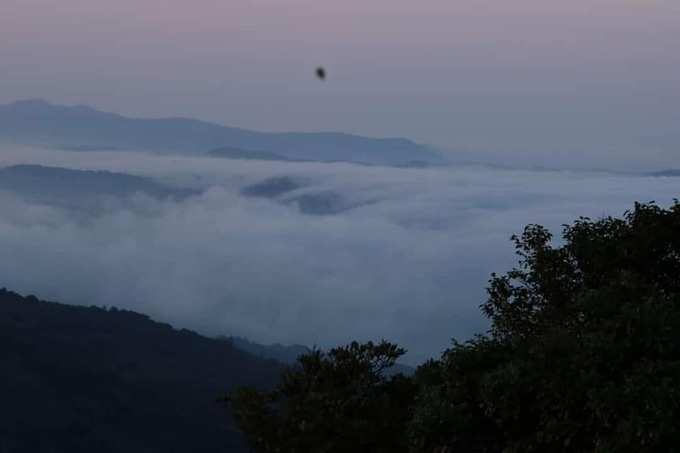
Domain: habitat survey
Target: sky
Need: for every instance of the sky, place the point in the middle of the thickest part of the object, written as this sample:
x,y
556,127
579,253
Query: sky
x,y
409,263
588,81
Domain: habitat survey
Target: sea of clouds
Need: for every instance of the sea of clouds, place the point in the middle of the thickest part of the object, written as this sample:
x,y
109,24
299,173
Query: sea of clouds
x,y
407,260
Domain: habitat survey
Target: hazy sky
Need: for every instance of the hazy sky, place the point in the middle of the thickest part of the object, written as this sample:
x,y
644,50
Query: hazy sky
x,y
513,76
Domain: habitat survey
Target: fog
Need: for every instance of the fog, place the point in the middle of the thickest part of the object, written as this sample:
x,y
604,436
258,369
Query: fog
x,y
407,259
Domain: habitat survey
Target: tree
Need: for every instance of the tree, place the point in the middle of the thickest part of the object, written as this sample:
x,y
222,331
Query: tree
x,y
584,348
330,403
583,355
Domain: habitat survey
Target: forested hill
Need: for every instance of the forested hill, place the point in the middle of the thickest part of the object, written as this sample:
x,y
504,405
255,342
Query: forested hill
x,y
87,379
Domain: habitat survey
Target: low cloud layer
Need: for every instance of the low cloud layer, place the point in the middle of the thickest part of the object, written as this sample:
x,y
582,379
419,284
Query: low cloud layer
x,y
408,262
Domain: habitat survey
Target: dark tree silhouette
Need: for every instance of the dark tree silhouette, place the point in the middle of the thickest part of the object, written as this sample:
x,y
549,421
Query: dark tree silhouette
x,y
583,355
87,379
336,402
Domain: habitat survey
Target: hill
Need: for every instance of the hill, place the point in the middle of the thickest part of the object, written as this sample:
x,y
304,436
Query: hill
x,y
289,354
286,354
666,173
84,128
246,154
84,379
83,191
39,180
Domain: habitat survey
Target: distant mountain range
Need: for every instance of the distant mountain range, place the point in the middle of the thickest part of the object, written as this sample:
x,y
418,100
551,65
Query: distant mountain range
x,y
287,354
666,173
95,192
82,128
237,153
88,192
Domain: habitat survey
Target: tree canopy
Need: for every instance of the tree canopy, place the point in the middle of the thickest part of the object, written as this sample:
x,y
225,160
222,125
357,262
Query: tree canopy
x,y
331,402
583,354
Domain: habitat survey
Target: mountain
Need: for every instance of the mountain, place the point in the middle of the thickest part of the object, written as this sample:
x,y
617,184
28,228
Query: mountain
x,y
36,180
286,190
84,379
37,122
666,173
281,353
246,154
273,187
288,354
81,189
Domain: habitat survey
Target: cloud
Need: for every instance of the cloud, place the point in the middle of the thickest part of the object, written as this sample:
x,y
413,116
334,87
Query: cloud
x,y
408,263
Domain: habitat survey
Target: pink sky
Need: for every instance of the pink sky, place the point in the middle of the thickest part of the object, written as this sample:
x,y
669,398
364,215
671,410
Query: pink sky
x,y
477,74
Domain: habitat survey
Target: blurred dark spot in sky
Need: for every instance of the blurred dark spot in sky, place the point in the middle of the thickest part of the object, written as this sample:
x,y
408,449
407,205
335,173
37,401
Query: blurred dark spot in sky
x,y
321,73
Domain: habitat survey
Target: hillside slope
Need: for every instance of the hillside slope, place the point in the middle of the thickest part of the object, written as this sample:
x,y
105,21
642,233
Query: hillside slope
x,y
85,379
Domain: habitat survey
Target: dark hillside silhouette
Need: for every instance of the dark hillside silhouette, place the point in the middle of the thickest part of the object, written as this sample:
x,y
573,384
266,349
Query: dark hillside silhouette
x,y
87,379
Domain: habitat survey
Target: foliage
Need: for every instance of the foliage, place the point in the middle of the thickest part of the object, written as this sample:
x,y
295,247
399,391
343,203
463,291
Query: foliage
x,y
330,403
583,355
584,350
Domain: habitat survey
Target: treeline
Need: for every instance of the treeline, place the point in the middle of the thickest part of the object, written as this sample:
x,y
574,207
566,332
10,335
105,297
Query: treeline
x,y
583,355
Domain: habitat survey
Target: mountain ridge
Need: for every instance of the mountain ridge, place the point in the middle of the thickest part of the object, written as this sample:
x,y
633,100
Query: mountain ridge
x,y
38,122
83,192
83,379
